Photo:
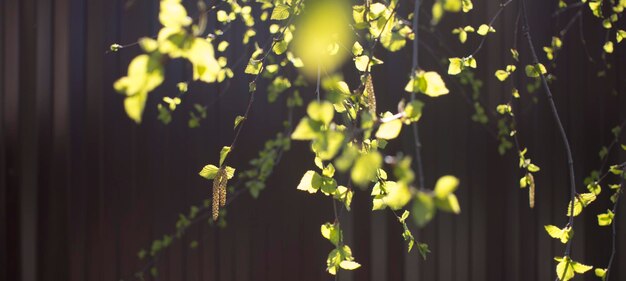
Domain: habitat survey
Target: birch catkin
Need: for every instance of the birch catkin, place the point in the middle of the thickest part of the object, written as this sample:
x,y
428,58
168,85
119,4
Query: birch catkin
x,y
219,192
370,96
531,190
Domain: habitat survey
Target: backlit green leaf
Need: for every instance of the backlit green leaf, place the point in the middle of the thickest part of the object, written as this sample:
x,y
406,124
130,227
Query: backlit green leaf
x,y
564,234
606,219
307,129
445,186
389,130
310,182
238,121
349,265
209,172
365,168
535,70
280,12
581,201
321,111
455,67
423,209
224,153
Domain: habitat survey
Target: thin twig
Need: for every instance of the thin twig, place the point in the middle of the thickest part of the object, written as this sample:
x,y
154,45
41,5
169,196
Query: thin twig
x,y
414,67
557,120
614,228
491,22
571,6
256,77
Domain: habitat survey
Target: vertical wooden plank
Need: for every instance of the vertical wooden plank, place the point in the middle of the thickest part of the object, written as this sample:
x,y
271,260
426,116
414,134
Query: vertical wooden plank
x,y
27,141
4,255
620,271
119,137
378,246
75,108
109,104
44,97
10,131
361,207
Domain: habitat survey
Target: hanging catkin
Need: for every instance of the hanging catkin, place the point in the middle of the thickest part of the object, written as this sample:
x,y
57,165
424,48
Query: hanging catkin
x,y
219,192
370,96
223,181
216,199
531,190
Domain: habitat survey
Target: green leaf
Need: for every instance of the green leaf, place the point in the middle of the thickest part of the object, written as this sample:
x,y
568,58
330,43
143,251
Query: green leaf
x,y
483,29
455,67
362,62
307,129
594,187
349,265
145,73
620,35
608,47
311,182
564,269
413,110
238,121
535,70
502,75
327,145
445,186
404,216
365,168
328,171
580,268
581,201
222,46
467,5
408,236
423,249
173,14
533,168
280,12
423,209
449,204
209,172
396,197
389,130
564,234
332,232
344,195
224,153
357,49
606,219
600,272
253,67
278,86
230,172
321,111
434,84
392,41
202,57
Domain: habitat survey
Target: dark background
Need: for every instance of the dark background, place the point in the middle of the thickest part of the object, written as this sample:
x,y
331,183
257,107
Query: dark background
x,y
83,188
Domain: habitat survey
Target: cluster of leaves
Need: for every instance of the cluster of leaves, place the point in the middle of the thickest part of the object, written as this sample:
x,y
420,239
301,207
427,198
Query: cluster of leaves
x,y
178,38
347,133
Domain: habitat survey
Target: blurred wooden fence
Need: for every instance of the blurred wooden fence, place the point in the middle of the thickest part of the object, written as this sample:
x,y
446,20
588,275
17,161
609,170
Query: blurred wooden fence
x,y
83,188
